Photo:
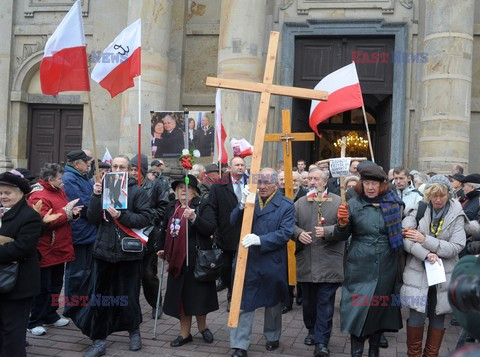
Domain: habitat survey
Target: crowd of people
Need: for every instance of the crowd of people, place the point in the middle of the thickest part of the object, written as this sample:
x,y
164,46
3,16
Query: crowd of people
x,y
374,246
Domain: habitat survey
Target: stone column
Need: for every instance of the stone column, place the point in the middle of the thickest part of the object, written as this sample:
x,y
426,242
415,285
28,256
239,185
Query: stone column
x,y
6,29
156,25
240,56
444,133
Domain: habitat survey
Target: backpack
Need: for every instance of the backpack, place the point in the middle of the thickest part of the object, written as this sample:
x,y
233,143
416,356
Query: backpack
x,y
422,207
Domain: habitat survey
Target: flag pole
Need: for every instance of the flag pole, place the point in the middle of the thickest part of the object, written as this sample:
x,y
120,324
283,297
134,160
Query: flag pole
x,y
187,182
139,159
95,156
368,133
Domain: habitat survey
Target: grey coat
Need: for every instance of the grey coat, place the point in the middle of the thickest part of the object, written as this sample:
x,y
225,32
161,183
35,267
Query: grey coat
x,y
322,260
447,245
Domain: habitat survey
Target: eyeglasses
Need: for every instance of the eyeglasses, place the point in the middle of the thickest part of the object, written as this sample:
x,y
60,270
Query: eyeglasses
x,y
121,167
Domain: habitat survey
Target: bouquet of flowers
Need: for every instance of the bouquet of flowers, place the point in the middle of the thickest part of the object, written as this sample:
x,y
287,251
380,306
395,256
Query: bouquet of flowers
x,y
187,159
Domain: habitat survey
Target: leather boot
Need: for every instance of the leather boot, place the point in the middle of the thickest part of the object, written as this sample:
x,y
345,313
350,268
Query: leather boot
x,y
434,340
414,340
99,348
357,345
374,344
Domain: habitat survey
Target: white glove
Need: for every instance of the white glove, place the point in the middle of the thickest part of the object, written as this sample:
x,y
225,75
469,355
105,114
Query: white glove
x,y
251,239
245,193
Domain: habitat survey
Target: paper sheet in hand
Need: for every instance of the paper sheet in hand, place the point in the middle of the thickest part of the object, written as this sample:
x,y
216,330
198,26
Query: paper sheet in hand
x,y
435,272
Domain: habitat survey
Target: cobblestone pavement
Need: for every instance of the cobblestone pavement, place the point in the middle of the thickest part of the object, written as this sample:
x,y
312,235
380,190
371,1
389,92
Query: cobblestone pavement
x,y
69,342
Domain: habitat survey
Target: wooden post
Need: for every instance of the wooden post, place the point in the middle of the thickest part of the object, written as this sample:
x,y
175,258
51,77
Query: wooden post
x,y
266,89
286,136
342,178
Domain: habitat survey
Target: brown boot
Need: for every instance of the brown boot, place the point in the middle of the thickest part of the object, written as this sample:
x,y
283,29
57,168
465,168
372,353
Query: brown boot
x,y
414,341
434,340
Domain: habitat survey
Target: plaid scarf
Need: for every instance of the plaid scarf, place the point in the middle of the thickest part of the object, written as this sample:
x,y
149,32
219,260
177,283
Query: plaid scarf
x,y
390,207
262,203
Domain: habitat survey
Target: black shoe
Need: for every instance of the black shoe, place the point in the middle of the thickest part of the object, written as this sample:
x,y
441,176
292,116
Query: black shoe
x,y
374,344
207,335
220,285
228,305
299,300
99,348
383,341
309,340
321,350
135,341
271,345
357,344
180,341
239,353
286,309
159,312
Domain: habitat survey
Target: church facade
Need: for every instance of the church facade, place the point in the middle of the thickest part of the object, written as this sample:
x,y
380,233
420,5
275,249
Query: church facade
x,y
416,61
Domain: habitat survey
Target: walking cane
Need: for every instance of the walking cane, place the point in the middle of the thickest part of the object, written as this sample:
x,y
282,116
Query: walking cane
x,y
158,300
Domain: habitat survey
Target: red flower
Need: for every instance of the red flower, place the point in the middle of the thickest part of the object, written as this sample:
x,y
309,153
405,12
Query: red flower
x,y
186,162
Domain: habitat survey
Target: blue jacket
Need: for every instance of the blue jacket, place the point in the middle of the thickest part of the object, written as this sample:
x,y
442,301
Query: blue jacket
x,y
77,185
266,276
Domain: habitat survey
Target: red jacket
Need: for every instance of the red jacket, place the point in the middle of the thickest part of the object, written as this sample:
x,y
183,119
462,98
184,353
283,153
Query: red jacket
x,y
55,245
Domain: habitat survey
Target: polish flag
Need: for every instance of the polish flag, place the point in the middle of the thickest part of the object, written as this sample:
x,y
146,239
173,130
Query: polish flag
x,y
220,133
121,61
344,94
107,157
241,148
64,65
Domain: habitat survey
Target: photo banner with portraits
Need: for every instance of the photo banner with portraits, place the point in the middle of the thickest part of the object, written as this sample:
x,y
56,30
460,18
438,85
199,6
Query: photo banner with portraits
x,y
170,131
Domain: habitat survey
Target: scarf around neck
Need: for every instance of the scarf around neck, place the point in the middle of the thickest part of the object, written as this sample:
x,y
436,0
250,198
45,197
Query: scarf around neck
x,y
390,207
175,241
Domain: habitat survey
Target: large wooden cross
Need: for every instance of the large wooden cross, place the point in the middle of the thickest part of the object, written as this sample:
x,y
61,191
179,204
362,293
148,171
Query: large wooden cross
x,y
266,89
286,136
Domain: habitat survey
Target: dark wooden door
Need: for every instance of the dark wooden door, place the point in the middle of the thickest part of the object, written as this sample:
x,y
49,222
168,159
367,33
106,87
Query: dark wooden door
x,y
53,132
316,57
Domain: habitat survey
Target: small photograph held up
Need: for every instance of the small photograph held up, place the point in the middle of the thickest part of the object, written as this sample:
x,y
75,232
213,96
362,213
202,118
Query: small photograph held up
x,y
115,190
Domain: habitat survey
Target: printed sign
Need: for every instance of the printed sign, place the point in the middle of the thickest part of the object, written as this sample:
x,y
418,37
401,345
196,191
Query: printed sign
x,y
339,167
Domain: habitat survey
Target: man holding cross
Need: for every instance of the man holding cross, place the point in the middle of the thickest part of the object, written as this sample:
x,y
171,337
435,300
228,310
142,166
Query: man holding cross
x,y
319,260
265,282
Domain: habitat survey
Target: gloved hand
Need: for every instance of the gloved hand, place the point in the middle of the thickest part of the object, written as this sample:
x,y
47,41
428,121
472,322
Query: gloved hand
x,y
251,239
342,215
245,193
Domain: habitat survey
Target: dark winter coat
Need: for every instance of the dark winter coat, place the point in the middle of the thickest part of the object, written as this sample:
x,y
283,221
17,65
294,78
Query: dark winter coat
x,y
158,204
371,271
223,200
266,275
137,215
22,224
77,185
471,205
198,298
55,245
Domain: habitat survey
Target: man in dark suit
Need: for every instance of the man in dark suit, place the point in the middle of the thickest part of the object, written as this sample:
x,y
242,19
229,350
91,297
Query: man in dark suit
x,y
224,197
204,138
172,138
115,191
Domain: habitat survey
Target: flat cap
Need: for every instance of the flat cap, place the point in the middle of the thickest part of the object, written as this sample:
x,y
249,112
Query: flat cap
x,y
472,178
78,155
155,163
211,168
372,172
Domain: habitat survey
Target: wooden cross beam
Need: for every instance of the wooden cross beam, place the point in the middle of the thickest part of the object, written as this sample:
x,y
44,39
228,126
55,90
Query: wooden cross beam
x,y
286,136
266,89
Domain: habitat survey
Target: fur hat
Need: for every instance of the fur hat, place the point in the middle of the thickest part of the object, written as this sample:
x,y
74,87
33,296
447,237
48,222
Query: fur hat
x,y
15,180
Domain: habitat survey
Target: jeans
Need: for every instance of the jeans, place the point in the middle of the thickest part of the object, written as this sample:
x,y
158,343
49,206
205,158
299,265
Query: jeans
x,y
418,318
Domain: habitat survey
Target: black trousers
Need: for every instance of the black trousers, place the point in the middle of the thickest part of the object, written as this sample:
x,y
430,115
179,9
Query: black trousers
x,y
227,270
13,326
150,280
51,282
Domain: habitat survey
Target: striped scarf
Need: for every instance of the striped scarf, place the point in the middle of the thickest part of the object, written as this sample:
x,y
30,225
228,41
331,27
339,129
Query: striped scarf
x,y
390,207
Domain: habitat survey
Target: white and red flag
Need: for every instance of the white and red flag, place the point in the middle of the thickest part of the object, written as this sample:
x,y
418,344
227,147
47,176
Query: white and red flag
x,y
64,66
121,61
344,94
241,148
220,133
107,157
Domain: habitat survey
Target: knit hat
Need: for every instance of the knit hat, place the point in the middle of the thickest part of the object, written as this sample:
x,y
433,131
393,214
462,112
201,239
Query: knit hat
x,y
143,163
441,179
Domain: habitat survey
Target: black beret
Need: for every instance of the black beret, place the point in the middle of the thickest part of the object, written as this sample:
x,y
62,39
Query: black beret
x,y
458,177
10,179
211,168
372,172
472,178
78,155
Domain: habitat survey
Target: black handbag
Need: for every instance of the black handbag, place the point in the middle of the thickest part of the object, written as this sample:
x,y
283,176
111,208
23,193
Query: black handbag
x,y
132,245
8,277
208,264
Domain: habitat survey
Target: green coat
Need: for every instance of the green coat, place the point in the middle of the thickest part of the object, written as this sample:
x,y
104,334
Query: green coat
x,y
371,273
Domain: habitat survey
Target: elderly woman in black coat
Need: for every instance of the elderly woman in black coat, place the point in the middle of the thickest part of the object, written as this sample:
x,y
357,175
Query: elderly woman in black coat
x,y
20,228
185,297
